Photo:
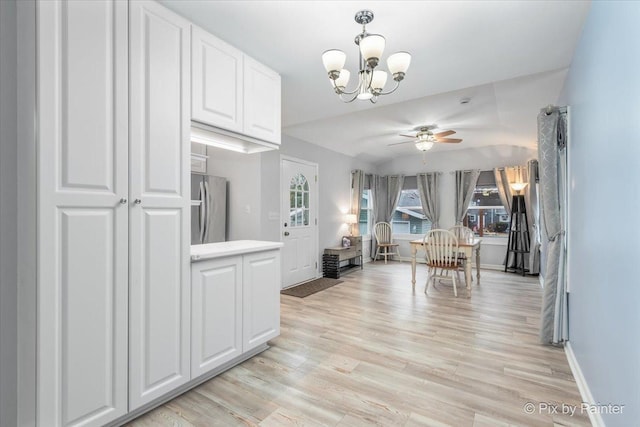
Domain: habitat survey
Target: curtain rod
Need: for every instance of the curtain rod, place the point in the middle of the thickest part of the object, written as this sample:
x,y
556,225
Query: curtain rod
x,y
549,109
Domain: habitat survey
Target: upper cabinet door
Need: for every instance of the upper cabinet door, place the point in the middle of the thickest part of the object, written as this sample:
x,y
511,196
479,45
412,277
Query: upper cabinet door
x,y
82,212
261,101
216,96
159,297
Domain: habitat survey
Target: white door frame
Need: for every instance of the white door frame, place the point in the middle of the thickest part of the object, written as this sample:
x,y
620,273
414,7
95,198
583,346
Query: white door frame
x,y
315,198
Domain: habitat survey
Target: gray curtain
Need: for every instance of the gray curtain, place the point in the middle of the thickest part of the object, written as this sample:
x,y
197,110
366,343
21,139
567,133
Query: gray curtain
x,y
394,188
503,177
428,184
551,147
385,194
357,186
465,185
531,200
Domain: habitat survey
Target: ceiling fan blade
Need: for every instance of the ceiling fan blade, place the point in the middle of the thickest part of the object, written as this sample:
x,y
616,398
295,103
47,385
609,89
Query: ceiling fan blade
x,y
445,133
408,136
399,143
449,140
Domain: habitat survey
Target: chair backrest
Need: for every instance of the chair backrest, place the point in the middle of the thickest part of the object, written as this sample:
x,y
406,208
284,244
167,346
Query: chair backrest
x,y
462,233
382,230
442,248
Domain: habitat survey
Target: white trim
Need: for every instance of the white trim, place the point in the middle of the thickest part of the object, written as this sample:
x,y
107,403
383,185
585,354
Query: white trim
x,y
583,387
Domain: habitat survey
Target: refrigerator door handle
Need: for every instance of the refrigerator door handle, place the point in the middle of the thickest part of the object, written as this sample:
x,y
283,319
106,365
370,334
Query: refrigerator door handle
x,y
207,193
203,211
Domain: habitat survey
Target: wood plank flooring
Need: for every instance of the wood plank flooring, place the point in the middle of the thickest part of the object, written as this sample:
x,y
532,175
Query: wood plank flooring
x,y
369,351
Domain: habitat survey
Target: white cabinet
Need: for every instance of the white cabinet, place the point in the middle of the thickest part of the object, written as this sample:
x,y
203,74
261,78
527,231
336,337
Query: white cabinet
x,y
82,235
261,101
261,298
216,97
216,309
159,288
232,91
235,307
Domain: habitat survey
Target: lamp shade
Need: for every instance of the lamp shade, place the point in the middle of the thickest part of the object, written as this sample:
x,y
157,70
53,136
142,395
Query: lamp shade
x,y
333,60
372,46
343,79
379,79
424,145
518,186
399,62
350,219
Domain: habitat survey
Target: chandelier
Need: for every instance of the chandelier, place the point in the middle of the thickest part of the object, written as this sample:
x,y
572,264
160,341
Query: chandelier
x,y
371,81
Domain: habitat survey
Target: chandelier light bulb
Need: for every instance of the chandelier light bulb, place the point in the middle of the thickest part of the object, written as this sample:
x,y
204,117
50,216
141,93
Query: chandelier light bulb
x,y
371,48
334,60
399,62
343,79
378,80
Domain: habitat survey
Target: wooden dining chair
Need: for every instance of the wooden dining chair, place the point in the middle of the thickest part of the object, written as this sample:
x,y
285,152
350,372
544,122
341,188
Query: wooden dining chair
x,y
441,247
384,241
463,234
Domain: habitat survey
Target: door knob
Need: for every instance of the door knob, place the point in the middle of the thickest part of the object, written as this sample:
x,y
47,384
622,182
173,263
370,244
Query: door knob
x,y
286,233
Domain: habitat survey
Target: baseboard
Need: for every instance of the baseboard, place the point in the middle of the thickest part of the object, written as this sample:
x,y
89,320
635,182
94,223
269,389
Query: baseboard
x,y
583,387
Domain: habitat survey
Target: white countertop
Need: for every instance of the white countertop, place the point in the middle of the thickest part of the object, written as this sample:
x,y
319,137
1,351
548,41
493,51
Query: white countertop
x,y
234,247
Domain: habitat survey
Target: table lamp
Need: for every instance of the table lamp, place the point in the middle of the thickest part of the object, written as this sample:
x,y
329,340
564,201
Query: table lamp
x,y
350,219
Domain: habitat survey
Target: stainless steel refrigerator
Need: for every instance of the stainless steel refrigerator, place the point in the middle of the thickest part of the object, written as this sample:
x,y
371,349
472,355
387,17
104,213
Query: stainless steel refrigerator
x,y
208,209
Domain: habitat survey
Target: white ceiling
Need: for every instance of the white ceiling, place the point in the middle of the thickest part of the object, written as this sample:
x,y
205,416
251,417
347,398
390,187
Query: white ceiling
x,y
509,57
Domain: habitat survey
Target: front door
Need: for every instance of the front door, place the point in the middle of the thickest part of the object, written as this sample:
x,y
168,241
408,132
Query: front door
x,y
299,221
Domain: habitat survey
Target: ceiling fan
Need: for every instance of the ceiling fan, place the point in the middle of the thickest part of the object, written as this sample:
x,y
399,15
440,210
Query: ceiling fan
x,y
425,137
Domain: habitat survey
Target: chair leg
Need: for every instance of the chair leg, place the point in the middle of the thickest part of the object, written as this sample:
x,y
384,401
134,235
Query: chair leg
x,y
386,253
455,284
375,258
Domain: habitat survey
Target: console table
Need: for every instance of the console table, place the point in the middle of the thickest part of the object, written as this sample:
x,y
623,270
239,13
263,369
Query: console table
x,y
333,258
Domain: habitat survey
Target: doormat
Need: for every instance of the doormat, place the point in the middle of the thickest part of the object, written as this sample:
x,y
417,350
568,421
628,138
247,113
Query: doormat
x,y
311,287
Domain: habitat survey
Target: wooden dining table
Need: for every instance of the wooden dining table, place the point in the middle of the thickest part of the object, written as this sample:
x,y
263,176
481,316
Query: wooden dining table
x,y
464,246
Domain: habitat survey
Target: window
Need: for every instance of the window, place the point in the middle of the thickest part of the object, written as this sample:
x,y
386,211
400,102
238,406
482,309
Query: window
x,y
364,223
486,215
409,217
299,201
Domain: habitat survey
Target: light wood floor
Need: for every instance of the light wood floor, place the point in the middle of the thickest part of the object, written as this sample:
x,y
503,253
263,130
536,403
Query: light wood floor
x,y
369,351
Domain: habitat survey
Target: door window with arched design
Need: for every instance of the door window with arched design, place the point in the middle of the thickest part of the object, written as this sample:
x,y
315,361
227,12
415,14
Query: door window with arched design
x,y
299,201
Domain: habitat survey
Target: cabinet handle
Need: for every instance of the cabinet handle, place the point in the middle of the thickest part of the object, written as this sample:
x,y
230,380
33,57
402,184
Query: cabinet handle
x,y
286,233
123,201
137,201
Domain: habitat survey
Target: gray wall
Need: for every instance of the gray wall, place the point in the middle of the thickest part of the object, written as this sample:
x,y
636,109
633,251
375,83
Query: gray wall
x,y
484,158
334,188
603,90
8,213
243,190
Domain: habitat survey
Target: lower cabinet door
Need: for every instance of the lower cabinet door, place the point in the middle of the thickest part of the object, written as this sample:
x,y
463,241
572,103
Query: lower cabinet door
x,y
216,310
261,295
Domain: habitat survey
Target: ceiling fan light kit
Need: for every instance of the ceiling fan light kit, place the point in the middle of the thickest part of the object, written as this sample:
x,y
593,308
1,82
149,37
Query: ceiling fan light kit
x,y
371,82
